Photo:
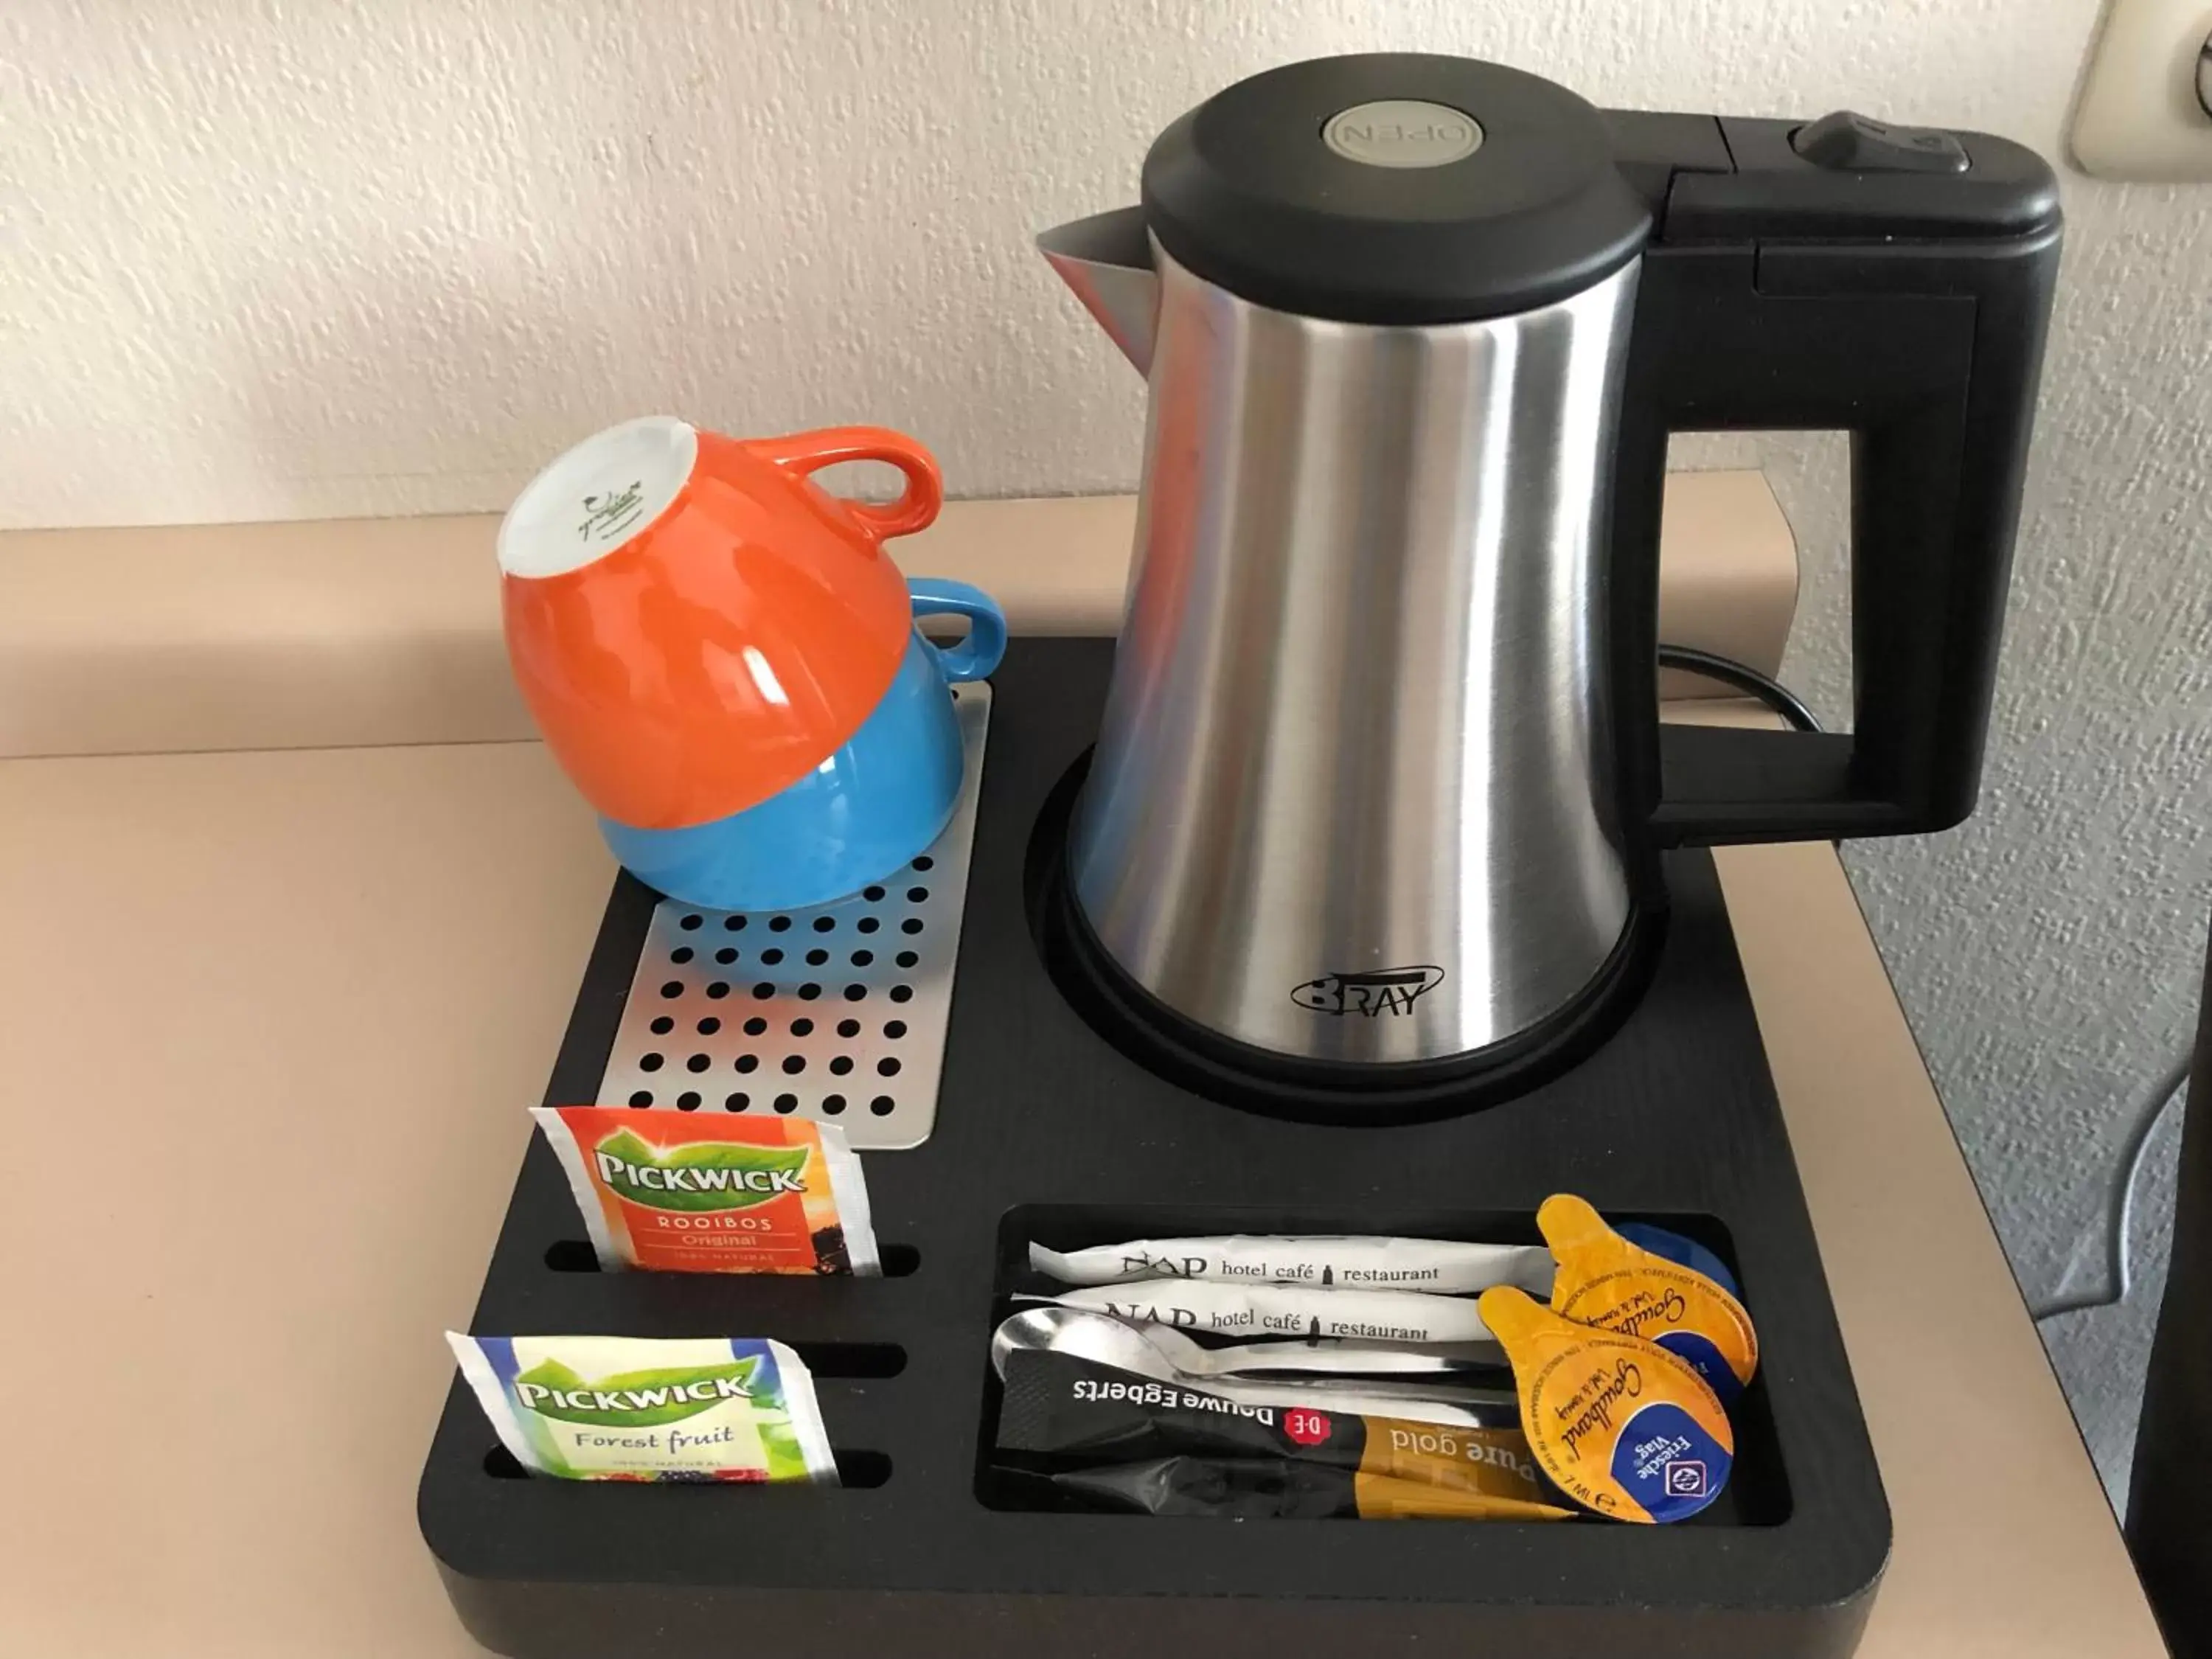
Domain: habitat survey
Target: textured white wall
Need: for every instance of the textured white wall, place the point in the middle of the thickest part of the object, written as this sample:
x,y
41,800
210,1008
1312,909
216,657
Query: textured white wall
x,y
262,262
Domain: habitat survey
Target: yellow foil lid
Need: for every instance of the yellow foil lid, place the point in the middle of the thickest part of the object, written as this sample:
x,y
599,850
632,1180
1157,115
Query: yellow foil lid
x,y
1617,1424
1606,1282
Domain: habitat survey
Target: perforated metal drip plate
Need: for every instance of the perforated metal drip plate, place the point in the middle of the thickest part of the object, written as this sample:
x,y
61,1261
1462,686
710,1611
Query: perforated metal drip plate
x,y
836,1014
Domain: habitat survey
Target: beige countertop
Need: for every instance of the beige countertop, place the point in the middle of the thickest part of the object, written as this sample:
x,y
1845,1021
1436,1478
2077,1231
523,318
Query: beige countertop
x,y
274,1015
386,630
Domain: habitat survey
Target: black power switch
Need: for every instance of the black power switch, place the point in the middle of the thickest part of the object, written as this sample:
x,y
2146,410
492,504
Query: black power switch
x,y
1852,142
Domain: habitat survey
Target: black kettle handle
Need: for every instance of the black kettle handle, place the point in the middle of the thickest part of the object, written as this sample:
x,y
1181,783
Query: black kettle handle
x,y
1902,298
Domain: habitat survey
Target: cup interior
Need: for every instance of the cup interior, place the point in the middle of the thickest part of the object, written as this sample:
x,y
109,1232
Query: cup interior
x,y
597,496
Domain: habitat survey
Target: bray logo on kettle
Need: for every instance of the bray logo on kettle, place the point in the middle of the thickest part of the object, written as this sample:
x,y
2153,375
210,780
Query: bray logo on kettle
x,y
1379,991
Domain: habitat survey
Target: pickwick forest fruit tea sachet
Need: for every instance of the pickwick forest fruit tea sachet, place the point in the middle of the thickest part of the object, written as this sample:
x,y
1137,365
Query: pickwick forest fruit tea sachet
x,y
630,1408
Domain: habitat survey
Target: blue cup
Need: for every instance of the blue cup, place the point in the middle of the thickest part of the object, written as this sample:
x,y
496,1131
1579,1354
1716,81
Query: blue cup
x,y
870,807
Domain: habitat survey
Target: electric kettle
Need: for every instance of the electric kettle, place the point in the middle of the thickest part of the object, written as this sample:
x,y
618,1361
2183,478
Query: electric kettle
x,y
1378,802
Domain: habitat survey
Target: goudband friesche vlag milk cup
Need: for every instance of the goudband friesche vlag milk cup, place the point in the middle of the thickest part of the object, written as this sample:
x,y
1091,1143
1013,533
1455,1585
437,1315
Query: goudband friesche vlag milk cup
x,y
1606,1281
1622,1426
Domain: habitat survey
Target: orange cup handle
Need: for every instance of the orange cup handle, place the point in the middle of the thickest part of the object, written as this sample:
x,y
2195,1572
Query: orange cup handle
x,y
809,451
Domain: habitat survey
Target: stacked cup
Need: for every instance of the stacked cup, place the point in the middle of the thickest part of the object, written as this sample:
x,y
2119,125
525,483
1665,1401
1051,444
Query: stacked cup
x,y
725,662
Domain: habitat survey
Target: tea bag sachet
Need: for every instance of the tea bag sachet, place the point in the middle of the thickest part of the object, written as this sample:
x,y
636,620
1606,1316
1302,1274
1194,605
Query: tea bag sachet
x,y
676,1193
632,1408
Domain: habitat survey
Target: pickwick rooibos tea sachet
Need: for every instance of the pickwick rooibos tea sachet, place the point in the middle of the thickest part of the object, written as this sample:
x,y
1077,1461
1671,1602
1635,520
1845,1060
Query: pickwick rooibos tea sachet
x,y
674,1193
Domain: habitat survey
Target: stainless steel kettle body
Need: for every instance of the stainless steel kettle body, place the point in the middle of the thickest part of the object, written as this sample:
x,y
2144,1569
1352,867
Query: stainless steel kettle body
x,y
1375,822
1354,796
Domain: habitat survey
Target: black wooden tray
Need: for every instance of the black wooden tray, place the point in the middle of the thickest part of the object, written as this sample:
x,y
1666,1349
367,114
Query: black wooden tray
x,y
918,1553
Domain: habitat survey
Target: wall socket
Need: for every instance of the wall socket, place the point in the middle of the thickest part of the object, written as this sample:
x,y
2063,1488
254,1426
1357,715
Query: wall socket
x,y
2142,115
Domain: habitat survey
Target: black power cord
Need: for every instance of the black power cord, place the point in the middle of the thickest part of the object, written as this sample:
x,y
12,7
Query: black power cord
x,y
1743,678
2120,1202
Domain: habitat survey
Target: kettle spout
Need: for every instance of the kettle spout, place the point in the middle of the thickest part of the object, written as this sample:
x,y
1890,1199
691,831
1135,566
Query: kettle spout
x,y
1107,260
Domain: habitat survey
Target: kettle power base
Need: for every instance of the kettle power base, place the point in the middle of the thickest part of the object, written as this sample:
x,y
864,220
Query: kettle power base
x,y
1045,1129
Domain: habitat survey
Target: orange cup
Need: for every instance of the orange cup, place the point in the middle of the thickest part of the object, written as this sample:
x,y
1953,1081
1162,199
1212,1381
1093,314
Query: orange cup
x,y
697,624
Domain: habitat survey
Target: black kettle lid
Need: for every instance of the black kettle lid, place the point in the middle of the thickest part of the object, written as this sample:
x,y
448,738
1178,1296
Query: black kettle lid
x,y
1393,188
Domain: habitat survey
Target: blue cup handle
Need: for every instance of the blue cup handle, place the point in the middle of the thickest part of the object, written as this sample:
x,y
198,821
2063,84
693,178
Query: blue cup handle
x,y
979,653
